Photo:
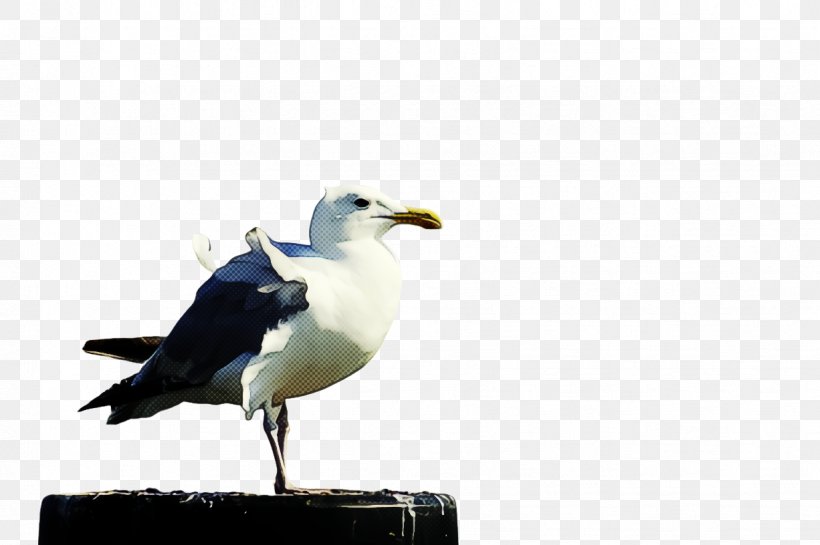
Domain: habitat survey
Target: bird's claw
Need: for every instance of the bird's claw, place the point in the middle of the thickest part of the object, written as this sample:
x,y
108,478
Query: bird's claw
x,y
295,491
286,487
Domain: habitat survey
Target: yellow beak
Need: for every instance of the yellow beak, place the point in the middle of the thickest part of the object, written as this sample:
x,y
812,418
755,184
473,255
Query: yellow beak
x,y
418,216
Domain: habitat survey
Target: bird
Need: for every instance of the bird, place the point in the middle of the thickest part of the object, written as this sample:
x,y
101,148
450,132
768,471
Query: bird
x,y
282,320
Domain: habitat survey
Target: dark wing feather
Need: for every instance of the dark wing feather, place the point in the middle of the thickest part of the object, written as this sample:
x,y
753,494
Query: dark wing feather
x,y
133,349
231,313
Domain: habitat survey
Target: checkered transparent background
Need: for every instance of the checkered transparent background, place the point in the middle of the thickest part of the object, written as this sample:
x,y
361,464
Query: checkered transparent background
x,y
615,337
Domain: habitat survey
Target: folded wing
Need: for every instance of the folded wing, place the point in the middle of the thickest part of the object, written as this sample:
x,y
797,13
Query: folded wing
x,y
230,315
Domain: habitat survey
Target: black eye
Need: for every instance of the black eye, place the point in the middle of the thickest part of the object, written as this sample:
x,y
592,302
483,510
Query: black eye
x,y
361,203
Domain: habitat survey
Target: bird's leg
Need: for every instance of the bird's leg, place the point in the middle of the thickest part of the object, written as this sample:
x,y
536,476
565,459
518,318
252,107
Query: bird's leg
x,y
282,429
276,437
272,433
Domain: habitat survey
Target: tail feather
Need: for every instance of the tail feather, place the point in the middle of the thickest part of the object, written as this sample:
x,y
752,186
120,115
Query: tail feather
x,y
146,407
132,398
136,349
121,413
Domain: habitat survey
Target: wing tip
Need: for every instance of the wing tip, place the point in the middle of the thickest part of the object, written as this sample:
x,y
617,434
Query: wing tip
x,y
90,405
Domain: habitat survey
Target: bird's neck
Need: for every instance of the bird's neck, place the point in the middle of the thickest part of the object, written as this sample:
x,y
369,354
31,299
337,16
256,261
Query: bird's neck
x,y
375,271
351,249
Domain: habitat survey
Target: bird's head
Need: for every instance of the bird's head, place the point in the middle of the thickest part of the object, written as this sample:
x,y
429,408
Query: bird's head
x,y
353,212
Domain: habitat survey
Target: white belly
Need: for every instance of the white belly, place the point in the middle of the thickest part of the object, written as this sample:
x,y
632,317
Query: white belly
x,y
312,360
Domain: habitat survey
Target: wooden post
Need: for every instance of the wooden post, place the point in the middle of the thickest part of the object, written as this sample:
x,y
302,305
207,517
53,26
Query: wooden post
x,y
340,517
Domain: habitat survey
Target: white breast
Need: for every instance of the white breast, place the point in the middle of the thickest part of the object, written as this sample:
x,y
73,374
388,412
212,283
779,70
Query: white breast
x,y
358,295
352,303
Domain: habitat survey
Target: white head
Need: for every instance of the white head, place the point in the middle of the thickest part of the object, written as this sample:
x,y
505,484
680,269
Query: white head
x,y
353,212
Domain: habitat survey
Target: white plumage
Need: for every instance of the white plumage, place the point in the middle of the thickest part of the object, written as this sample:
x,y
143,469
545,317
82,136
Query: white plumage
x,y
280,321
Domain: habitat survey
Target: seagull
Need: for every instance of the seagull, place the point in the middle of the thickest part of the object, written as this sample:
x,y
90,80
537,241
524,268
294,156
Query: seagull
x,y
282,320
